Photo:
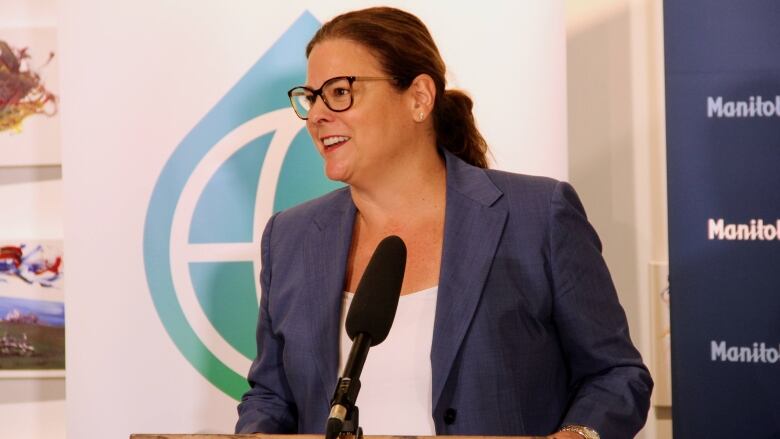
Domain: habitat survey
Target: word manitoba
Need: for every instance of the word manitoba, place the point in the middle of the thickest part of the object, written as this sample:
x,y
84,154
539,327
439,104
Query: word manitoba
x,y
755,229
755,106
757,353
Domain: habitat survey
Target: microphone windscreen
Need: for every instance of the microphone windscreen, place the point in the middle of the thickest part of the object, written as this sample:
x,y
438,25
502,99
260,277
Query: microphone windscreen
x,y
376,298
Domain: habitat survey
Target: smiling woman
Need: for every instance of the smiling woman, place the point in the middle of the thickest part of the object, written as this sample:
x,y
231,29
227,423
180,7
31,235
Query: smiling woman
x,y
508,322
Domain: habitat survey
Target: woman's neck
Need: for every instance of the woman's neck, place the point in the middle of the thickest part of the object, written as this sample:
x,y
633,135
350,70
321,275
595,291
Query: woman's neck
x,y
415,189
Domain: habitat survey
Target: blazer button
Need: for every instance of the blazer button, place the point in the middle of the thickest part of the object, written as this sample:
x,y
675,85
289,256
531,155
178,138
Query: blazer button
x,y
450,415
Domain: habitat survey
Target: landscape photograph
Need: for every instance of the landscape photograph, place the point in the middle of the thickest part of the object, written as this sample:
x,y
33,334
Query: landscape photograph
x,y
32,309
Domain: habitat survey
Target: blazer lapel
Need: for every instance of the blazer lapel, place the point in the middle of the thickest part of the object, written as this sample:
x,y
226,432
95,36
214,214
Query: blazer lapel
x,y
326,249
472,231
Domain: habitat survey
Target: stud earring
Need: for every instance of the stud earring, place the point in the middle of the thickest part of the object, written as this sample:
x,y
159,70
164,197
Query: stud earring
x,y
420,116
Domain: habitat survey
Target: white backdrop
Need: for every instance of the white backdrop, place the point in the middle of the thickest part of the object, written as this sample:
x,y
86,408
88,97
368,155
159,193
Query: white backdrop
x,y
141,81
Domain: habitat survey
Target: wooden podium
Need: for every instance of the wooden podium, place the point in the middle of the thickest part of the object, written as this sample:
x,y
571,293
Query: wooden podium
x,y
299,436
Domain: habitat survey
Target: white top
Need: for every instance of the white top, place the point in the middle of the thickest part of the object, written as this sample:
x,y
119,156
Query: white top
x,y
395,392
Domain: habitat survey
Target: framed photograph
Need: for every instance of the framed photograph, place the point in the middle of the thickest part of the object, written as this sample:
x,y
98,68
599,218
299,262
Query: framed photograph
x,y
29,90
32,309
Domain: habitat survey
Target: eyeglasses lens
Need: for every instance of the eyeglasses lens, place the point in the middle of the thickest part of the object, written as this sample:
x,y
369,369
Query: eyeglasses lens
x,y
301,100
338,94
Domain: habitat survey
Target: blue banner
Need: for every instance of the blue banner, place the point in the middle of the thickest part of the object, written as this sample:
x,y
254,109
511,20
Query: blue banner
x,y
723,163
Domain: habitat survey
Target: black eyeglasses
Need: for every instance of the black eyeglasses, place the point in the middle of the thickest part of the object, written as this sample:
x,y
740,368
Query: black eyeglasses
x,y
336,93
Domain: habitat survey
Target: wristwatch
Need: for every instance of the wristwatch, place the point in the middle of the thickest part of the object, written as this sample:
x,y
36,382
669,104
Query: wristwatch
x,y
585,432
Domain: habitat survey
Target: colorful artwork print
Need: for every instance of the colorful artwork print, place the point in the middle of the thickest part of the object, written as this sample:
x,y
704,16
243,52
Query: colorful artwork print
x,y
32,309
22,93
29,86
29,265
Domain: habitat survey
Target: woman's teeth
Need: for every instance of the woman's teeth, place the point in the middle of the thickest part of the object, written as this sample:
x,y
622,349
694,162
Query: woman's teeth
x,y
330,141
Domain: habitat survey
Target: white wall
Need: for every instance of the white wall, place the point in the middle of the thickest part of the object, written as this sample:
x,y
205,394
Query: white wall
x,y
31,408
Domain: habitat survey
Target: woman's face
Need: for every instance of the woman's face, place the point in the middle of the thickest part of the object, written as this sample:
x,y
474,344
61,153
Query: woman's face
x,y
361,143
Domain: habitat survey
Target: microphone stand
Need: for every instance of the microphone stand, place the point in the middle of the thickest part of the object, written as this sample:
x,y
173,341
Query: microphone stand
x,y
343,406
352,426
344,414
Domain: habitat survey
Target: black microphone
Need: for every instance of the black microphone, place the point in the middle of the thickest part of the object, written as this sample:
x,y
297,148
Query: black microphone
x,y
368,322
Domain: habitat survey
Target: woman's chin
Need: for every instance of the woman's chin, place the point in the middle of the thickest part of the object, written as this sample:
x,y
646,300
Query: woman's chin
x,y
336,173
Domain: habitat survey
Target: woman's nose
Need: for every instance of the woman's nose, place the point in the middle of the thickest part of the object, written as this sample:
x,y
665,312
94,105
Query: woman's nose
x,y
319,112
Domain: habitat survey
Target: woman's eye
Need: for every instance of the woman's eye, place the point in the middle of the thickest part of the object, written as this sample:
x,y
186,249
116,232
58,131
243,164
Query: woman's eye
x,y
341,92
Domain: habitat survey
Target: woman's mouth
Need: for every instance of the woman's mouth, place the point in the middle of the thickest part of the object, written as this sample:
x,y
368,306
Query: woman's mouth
x,y
334,141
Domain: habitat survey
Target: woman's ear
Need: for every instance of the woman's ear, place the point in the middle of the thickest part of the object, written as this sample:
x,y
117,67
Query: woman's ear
x,y
423,95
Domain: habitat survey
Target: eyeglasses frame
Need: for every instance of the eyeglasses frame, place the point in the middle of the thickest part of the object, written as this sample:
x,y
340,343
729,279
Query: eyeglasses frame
x,y
318,92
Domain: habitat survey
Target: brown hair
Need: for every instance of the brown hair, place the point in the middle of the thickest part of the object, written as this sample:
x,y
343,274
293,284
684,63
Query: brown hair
x,y
405,49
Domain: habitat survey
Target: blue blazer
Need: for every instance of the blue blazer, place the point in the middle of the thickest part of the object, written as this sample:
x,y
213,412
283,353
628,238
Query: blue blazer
x,y
528,333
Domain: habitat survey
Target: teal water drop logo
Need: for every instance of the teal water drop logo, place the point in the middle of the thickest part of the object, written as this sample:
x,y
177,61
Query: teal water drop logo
x,y
249,157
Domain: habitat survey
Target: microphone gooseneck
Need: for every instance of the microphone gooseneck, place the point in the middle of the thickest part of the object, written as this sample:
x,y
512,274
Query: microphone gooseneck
x,y
368,322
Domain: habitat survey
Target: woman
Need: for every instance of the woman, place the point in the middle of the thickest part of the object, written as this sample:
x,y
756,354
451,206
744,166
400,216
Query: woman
x,y
520,331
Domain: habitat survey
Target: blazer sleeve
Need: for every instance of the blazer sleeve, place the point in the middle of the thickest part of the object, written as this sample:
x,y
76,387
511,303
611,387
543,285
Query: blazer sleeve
x,y
611,385
268,406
